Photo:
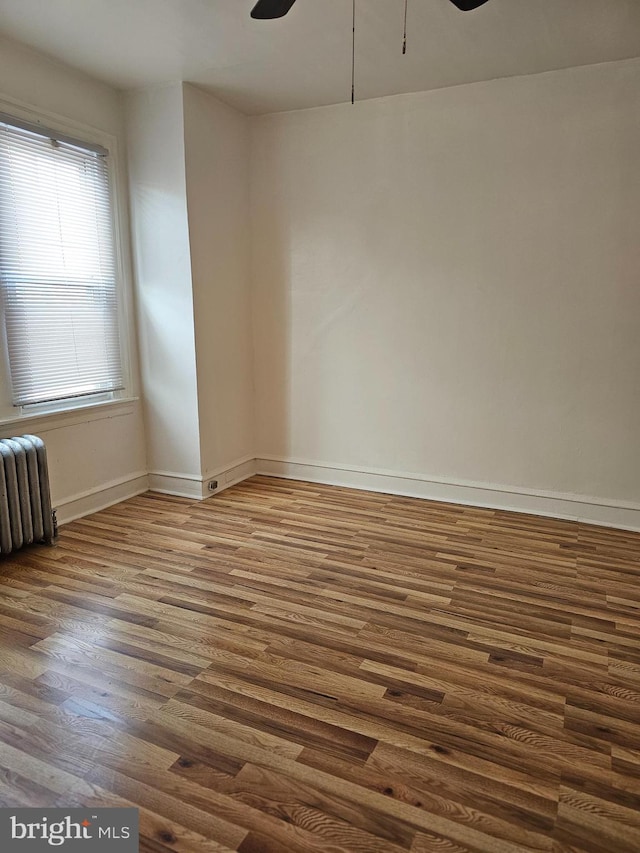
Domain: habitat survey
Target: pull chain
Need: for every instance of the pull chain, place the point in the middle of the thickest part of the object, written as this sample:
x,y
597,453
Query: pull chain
x,y
404,40
353,55
353,45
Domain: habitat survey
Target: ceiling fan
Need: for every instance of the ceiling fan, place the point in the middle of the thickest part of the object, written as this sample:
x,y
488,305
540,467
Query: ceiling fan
x,y
265,10
268,9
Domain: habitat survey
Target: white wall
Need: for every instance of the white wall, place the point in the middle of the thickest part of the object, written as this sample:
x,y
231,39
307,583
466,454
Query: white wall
x,y
96,456
188,164
446,285
216,141
444,290
31,78
163,284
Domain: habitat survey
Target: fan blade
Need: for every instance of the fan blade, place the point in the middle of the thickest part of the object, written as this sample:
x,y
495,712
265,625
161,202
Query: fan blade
x,y
468,5
265,10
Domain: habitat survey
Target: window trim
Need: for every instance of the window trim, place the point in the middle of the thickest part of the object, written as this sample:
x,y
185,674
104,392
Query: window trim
x,y
42,121
47,422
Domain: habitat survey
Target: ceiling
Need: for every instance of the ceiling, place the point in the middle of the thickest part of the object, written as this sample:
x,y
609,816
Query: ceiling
x,y
304,59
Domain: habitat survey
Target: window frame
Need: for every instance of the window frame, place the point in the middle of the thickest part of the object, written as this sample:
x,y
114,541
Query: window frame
x,y
100,402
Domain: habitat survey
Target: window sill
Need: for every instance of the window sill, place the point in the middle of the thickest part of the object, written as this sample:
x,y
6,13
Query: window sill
x,y
70,417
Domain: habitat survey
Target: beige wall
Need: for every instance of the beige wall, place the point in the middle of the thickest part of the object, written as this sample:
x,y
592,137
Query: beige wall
x,y
188,163
95,456
216,140
29,77
163,283
446,285
443,289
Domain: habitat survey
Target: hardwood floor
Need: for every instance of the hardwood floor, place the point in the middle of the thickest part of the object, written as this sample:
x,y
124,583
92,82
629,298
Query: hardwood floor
x,y
293,667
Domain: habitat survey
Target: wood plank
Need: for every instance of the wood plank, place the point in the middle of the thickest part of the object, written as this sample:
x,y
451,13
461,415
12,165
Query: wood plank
x,y
290,667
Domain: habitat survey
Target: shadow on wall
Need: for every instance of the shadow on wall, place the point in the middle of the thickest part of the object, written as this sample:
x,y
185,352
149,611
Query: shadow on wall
x,y
272,324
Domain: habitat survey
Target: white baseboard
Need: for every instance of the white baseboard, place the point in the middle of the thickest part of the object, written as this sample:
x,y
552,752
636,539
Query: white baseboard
x,y
608,513
592,510
189,486
238,471
106,495
180,485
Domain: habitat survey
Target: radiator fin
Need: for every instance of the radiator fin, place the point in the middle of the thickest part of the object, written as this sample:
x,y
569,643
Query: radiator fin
x,y
25,499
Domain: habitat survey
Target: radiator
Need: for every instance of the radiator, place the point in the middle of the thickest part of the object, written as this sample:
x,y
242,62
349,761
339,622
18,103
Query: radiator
x,y
25,500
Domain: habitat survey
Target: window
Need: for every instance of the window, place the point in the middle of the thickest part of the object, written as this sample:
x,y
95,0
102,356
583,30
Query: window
x,y
58,276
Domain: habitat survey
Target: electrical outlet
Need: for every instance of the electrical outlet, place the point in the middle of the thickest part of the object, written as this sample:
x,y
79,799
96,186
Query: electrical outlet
x,y
213,485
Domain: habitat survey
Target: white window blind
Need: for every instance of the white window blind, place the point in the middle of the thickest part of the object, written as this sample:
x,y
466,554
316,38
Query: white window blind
x,y
57,266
